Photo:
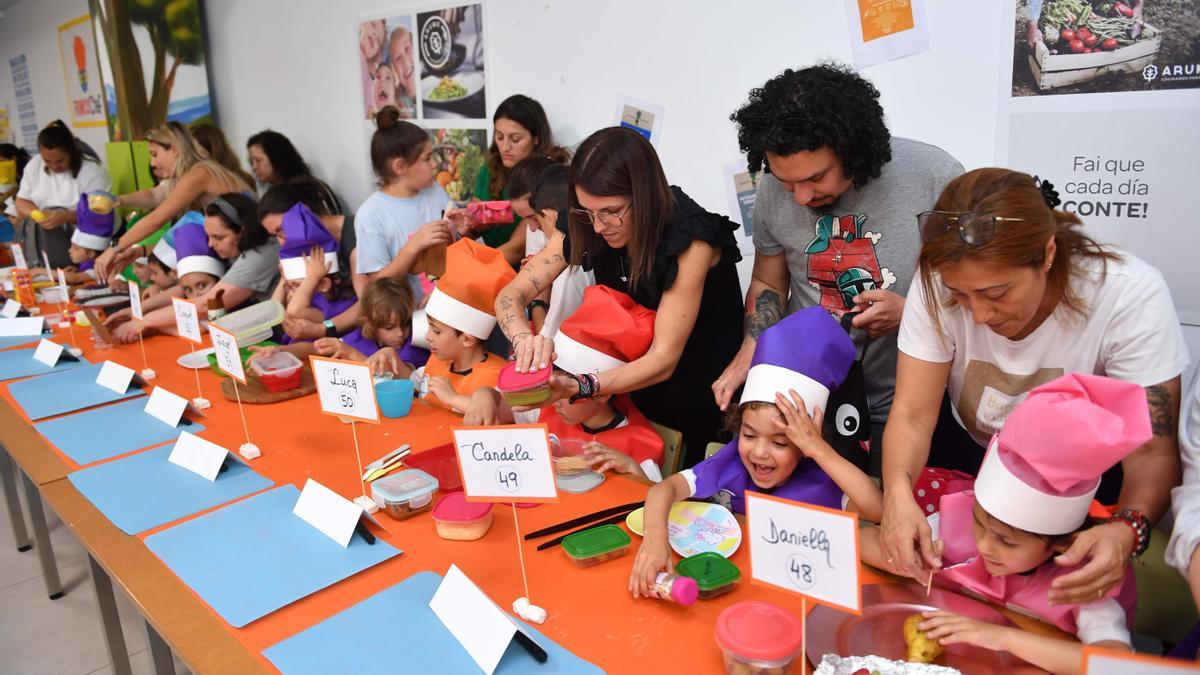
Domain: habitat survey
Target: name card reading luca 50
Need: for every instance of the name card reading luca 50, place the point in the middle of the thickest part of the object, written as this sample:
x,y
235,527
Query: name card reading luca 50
x,y
805,549
506,463
346,388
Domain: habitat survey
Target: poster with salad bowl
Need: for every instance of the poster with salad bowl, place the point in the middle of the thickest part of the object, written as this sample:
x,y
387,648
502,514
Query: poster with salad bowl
x,y
451,48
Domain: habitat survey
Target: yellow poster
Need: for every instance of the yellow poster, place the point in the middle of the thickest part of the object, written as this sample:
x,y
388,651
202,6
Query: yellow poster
x,y
884,17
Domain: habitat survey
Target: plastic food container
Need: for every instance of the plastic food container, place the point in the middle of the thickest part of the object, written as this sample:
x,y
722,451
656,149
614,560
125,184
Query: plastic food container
x,y
524,389
440,462
714,574
567,455
244,352
758,638
460,520
254,323
594,546
404,494
278,372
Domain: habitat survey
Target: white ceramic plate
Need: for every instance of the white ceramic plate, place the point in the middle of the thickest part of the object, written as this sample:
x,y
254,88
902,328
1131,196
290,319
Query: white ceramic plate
x,y
195,360
472,82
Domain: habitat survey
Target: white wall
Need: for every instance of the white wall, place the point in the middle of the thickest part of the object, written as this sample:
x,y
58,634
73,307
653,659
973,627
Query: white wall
x,y
31,27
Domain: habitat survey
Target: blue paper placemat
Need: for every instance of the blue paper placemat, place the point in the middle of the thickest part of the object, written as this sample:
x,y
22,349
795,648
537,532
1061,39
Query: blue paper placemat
x,y
65,392
349,642
255,556
125,427
8,341
16,363
145,490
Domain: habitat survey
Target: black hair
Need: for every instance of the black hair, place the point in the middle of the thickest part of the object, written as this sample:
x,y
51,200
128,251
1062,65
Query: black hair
x,y
251,233
525,175
56,136
155,260
17,153
285,159
551,189
282,197
828,105
394,138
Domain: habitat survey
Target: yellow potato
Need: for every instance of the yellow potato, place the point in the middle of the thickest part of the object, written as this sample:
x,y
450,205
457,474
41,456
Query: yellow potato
x,y
38,215
920,648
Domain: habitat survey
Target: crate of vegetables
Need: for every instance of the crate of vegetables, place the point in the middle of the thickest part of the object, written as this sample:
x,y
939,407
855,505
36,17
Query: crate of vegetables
x,y
1083,40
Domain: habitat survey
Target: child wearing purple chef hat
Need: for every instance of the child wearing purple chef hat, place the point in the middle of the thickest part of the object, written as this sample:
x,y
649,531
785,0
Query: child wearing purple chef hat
x,y
93,231
778,449
313,287
385,338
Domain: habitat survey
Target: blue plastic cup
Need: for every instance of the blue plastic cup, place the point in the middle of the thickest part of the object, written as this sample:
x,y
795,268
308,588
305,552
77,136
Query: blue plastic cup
x,y
395,397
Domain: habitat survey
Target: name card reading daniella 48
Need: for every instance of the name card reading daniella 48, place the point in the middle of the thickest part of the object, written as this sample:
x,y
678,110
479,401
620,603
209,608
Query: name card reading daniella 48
x,y
506,463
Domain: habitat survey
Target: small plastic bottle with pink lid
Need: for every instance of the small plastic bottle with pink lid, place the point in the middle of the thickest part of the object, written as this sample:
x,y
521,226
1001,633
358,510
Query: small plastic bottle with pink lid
x,y
675,588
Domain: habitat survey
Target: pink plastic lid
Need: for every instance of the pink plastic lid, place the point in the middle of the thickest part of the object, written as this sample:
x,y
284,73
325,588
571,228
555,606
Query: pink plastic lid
x,y
455,508
510,380
684,590
759,630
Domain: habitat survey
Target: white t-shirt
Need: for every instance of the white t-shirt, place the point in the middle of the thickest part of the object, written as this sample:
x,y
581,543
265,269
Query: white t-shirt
x,y
47,190
384,224
1130,332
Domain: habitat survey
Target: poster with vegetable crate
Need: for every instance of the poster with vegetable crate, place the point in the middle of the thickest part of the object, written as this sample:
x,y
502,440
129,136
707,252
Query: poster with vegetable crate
x,y
1089,46
458,155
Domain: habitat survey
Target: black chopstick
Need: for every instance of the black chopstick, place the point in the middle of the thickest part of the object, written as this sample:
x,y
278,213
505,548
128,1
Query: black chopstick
x,y
558,540
575,522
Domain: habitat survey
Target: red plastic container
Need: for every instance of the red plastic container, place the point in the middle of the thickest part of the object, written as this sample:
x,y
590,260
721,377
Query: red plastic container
x,y
278,372
441,463
758,636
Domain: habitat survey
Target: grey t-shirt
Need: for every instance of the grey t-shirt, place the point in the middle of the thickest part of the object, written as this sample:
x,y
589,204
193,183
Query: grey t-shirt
x,y
257,270
865,240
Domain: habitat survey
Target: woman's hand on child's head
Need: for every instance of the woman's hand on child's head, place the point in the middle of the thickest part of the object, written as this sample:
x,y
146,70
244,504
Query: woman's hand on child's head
x,y
128,332
303,329
948,629
653,556
802,430
315,267
1106,549
386,360
603,458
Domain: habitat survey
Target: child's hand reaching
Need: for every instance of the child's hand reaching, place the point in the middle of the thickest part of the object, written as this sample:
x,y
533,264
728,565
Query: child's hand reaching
x,y
262,351
386,360
653,556
431,234
440,386
949,629
603,458
802,430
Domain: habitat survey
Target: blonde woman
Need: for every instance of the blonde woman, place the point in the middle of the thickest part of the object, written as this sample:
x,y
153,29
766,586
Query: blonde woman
x,y
188,182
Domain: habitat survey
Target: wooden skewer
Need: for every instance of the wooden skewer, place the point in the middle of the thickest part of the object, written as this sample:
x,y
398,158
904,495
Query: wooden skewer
x,y
929,584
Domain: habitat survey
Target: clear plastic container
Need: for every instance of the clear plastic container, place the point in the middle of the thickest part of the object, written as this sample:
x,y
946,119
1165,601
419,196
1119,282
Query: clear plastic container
x,y
254,323
441,462
567,455
758,638
405,494
460,520
594,546
714,574
278,372
524,389
675,588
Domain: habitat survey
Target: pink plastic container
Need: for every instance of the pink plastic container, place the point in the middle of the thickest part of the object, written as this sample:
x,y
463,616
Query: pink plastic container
x,y
524,389
758,637
460,520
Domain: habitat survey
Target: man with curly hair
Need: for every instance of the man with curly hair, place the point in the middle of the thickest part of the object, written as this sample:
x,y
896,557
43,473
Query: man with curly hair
x,y
834,217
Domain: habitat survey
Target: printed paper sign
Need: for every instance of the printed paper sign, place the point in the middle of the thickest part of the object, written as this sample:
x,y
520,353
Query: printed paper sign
x,y
135,301
19,257
21,327
229,360
114,376
329,512
741,190
883,30
506,463
346,388
201,457
641,116
1098,661
48,352
805,549
187,320
482,628
165,406
62,286
11,307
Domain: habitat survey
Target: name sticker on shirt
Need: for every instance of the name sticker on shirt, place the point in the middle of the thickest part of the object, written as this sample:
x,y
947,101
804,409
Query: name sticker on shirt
x,y
502,464
806,549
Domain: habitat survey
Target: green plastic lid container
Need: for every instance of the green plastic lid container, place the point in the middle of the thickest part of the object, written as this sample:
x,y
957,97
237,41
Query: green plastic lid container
x,y
714,574
596,545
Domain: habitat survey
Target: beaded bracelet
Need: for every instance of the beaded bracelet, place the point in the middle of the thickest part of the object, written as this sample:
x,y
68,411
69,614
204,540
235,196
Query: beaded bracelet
x,y
1140,525
589,387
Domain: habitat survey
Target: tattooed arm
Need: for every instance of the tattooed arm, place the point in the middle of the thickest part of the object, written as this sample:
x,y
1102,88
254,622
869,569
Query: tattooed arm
x,y
765,304
1153,469
537,274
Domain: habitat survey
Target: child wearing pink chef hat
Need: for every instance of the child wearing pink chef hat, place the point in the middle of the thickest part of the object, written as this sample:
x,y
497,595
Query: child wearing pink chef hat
x,y
1033,492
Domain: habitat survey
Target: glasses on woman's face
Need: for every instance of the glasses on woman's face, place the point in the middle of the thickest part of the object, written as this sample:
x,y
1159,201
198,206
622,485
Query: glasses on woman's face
x,y
975,229
612,217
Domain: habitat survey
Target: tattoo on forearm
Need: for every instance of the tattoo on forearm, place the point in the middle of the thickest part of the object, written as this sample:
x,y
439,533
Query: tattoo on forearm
x,y
768,310
553,260
537,285
1162,417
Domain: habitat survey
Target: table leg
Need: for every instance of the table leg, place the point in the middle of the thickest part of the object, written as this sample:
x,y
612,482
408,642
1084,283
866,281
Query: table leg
x,y
160,652
15,513
114,637
41,535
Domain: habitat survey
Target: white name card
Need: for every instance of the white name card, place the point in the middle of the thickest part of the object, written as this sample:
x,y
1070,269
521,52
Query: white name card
x,y
187,319
332,514
229,360
346,388
506,463
114,376
11,307
201,457
31,325
135,301
47,352
19,257
62,286
482,628
806,549
165,406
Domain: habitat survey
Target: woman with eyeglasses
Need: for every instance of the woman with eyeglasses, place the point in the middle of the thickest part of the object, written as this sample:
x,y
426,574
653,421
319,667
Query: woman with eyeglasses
x,y
1012,294
237,237
646,238
189,182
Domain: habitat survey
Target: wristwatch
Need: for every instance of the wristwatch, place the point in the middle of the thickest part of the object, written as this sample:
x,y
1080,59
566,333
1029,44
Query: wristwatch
x,y
330,329
536,303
